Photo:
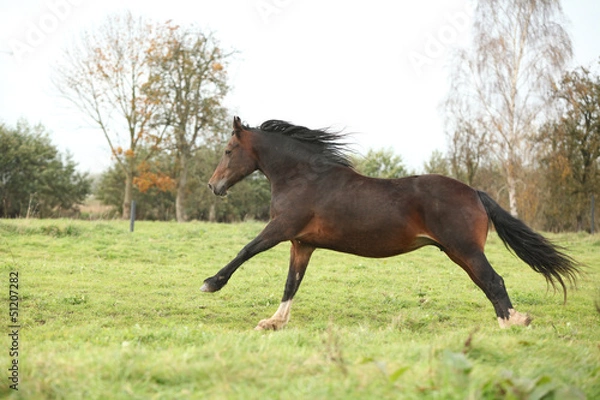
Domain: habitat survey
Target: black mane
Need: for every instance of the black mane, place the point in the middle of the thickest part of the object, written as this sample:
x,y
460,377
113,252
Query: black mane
x,y
320,141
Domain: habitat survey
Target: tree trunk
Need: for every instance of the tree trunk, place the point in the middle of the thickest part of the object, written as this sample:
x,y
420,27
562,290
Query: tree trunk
x,y
128,195
181,187
212,213
579,219
512,194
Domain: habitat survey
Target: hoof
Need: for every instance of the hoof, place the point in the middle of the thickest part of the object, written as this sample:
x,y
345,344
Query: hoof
x,y
212,285
515,318
269,325
207,289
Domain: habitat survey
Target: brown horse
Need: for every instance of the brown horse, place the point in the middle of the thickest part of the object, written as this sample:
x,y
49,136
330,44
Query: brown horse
x,y
319,201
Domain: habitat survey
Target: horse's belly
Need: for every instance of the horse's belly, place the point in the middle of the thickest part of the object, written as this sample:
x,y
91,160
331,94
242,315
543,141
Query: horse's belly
x,y
377,243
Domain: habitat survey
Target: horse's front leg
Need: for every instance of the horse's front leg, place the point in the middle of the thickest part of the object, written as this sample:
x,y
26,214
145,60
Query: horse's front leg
x,y
299,258
273,234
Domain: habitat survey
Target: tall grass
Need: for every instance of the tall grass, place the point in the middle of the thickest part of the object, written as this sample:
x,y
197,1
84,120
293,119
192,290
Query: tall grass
x,y
106,313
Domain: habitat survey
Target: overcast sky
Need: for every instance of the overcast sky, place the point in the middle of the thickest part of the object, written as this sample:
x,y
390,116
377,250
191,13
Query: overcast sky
x,y
375,68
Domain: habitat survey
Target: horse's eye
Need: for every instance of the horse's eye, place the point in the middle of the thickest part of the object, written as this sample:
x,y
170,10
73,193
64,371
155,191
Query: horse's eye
x,y
227,152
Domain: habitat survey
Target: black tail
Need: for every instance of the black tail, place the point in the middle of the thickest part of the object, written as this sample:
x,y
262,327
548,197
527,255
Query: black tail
x,y
537,251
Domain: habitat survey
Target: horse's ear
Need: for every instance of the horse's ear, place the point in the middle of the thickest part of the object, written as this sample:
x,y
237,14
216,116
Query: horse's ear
x,y
237,126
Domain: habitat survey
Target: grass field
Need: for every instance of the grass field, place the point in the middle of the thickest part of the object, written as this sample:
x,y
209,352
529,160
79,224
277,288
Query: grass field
x,y
108,314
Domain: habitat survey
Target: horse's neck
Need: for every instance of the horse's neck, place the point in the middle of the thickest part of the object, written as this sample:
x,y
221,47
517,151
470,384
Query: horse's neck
x,y
283,167
286,167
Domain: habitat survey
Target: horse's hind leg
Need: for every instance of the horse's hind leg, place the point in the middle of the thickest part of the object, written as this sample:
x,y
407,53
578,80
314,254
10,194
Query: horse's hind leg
x,y
299,258
492,284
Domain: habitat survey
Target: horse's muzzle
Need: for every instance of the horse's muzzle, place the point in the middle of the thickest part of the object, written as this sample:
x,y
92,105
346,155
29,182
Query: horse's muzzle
x,y
219,189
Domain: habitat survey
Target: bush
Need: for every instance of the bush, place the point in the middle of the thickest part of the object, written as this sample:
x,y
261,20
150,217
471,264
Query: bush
x,y
35,179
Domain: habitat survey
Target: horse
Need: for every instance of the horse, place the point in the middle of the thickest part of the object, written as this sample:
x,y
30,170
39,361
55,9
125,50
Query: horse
x,y
318,200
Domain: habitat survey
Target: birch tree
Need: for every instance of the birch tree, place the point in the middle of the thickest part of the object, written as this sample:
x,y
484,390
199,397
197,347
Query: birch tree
x,y
519,48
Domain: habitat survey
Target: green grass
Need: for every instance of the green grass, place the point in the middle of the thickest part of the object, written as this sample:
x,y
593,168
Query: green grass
x,y
107,314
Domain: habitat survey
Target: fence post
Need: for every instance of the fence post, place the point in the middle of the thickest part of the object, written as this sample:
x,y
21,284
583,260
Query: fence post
x,y
132,216
593,208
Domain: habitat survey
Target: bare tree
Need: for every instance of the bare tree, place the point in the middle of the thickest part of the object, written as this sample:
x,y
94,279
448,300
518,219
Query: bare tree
x,y
105,75
189,83
519,49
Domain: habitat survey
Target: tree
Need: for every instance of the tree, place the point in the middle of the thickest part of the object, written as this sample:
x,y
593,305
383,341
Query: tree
x,y
468,149
34,178
189,82
572,156
437,164
381,164
519,48
153,191
106,76
250,199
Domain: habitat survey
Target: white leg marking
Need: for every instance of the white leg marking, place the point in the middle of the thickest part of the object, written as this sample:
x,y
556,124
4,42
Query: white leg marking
x,y
278,320
515,318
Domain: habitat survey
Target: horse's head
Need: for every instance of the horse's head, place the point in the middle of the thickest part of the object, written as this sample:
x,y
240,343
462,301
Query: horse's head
x,y
237,162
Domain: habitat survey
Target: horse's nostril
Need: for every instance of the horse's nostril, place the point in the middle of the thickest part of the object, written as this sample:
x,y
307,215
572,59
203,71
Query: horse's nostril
x,y
210,187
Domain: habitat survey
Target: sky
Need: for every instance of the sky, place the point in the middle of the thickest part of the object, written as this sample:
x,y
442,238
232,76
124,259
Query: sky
x,y
377,69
